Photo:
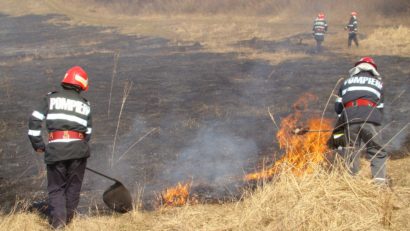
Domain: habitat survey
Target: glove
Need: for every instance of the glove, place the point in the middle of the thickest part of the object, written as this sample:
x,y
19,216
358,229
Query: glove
x,y
39,148
337,139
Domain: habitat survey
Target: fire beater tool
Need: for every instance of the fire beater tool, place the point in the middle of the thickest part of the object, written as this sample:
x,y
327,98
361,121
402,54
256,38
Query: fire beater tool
x,y
116,197
302,131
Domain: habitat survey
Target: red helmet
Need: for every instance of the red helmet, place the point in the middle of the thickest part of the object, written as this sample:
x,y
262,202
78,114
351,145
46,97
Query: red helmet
x,y
368,60
354,13
321,15
76,76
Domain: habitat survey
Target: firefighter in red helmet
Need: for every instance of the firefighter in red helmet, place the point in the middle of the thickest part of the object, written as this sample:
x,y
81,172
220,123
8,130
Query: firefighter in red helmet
x,y
360,109
352,28
67,117
319,30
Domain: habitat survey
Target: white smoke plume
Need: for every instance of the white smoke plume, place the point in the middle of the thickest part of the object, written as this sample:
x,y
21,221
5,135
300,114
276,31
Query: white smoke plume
x,y
213,156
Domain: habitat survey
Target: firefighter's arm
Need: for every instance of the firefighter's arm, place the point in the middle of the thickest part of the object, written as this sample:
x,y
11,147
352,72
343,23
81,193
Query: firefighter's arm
x,y
339,105
355,26
89,128
35,126
380,104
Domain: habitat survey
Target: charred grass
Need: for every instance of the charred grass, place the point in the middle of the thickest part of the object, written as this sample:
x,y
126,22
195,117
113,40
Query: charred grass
x,y
318,201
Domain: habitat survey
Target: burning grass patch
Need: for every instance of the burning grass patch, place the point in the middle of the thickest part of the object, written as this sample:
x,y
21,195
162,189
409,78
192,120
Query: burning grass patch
x,y
176,196
321,200
301,153
316,201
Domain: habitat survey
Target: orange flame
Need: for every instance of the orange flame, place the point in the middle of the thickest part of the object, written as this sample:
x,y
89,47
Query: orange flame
x,y
302,152
176,196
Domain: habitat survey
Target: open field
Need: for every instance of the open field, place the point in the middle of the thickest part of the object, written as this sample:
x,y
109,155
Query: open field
x,y
203,78
218,30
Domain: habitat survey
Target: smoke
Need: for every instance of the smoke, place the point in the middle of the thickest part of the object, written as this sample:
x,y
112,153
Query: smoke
x,y
212,157
396,135
101,154
125,141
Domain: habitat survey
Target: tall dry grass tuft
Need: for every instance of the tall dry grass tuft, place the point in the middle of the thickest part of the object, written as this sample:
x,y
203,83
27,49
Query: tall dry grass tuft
x,y
322,200
114,74
22,221
389,41
131,221
19,219
319,201
127,90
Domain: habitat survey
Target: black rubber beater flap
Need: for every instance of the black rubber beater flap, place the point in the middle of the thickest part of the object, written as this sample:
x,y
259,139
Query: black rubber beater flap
x,y
118,198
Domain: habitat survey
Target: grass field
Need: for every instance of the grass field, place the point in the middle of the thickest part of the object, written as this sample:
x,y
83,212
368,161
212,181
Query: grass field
x,y
317,201
321,200
381,34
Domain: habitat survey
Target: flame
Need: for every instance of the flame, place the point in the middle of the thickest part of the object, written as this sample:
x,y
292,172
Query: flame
x,y
176,196
302,152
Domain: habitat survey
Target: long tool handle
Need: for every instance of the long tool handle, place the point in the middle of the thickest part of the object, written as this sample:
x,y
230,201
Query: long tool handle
x,y
319,131
302,131
99,173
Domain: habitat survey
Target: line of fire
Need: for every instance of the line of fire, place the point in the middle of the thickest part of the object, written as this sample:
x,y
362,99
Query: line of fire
x,y
300,153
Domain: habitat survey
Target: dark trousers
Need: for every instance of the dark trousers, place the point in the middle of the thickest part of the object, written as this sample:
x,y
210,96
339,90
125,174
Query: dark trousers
x,y
368,135
319,40
319,45
64,185
352,36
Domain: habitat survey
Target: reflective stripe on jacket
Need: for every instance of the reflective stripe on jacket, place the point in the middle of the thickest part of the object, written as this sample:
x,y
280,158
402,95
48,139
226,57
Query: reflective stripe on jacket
x,y
361,86
65,110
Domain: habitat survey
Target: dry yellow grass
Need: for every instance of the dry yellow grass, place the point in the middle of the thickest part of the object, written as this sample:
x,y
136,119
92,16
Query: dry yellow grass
x,y
389,41
319,201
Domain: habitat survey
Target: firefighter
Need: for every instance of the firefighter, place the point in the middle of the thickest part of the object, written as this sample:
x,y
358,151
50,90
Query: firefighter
x,y
360,109
352,27
319,30
67,118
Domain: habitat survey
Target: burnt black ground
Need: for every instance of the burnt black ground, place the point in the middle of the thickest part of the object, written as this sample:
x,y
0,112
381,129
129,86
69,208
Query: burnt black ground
x,y
210,109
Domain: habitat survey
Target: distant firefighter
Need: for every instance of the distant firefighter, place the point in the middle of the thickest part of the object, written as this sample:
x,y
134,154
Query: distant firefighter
x,y
352,27
319,30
